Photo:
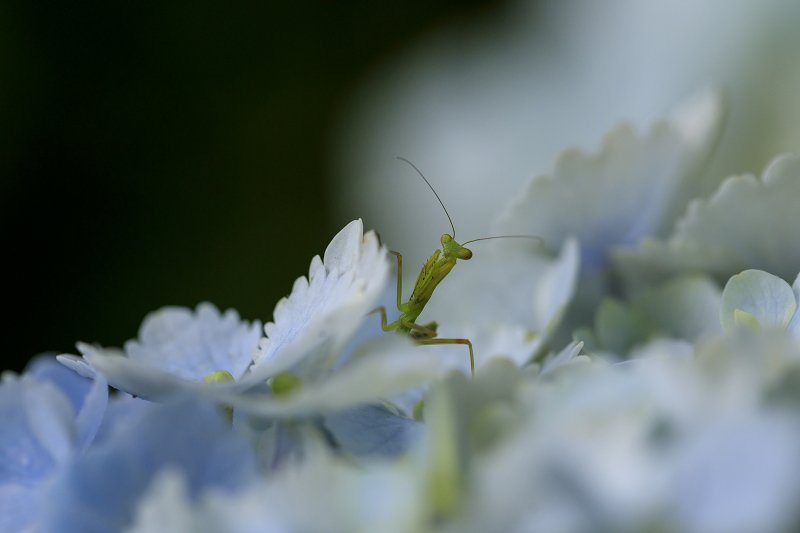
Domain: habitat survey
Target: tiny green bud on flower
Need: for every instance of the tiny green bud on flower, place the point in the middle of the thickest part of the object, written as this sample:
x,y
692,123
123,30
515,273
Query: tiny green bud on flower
x,y
220,376
284,383
419,411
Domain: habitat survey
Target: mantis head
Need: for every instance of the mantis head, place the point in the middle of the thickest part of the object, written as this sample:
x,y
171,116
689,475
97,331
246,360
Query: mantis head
x,y
452,248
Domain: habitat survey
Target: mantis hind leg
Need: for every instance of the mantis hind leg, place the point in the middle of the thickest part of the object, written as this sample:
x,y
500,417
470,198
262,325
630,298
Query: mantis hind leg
x,y
425,335
417,332
453,341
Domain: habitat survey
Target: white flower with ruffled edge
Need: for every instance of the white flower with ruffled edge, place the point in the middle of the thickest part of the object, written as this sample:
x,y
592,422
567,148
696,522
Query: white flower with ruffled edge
x,y
748,223
324,311
756,299
634,186
176,346
309,330
192,345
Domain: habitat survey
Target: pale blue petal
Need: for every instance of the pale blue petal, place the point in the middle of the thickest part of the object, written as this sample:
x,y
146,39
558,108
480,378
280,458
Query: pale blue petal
x,y
283,443
50,418
18,506
145,381
88,397
47,368
739,476
91,414
122,410
99,492
23,458
374,431
628,189
36,439
192,344
78,364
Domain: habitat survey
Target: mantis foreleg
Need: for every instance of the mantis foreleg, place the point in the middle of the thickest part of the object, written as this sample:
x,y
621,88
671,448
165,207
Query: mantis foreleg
x,y
399,280
384,321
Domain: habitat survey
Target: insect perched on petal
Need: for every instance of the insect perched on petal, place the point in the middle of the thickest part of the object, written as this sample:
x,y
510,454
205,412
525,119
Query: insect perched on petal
x,y
433,272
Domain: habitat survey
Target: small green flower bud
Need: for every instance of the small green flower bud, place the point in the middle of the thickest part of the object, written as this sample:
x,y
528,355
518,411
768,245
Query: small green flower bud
x,y
284,383
419,409
220,376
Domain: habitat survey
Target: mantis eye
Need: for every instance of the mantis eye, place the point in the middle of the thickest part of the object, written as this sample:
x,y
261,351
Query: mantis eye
x,y
465,254
446,238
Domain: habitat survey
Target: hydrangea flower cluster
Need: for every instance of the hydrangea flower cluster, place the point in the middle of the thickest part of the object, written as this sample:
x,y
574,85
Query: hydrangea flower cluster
x,y
639,372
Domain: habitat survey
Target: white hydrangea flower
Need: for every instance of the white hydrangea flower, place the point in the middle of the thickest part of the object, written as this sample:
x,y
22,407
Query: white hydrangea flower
x,y
383,498
324,310
748,223
176,347
629,189
191,345
666,440
380,369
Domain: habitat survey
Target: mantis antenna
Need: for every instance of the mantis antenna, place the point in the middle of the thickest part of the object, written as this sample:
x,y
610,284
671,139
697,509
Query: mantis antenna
x,y
508,237
434,192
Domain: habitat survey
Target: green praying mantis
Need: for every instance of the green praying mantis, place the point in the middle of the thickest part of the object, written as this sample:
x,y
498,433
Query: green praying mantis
x,y
432,274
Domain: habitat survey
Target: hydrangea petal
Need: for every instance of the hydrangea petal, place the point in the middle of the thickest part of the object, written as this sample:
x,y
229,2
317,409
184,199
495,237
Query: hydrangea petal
x,y
176,347
345,498
327,307
92,413
167,506
18,508
384,367
27,455
766,297
562,358
75,386
122,410
747,223
625,191
98,492
192,344
144,381
373,430
739,476
40,435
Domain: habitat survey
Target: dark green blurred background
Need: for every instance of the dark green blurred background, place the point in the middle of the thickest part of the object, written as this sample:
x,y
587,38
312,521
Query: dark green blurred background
x,y
167,153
